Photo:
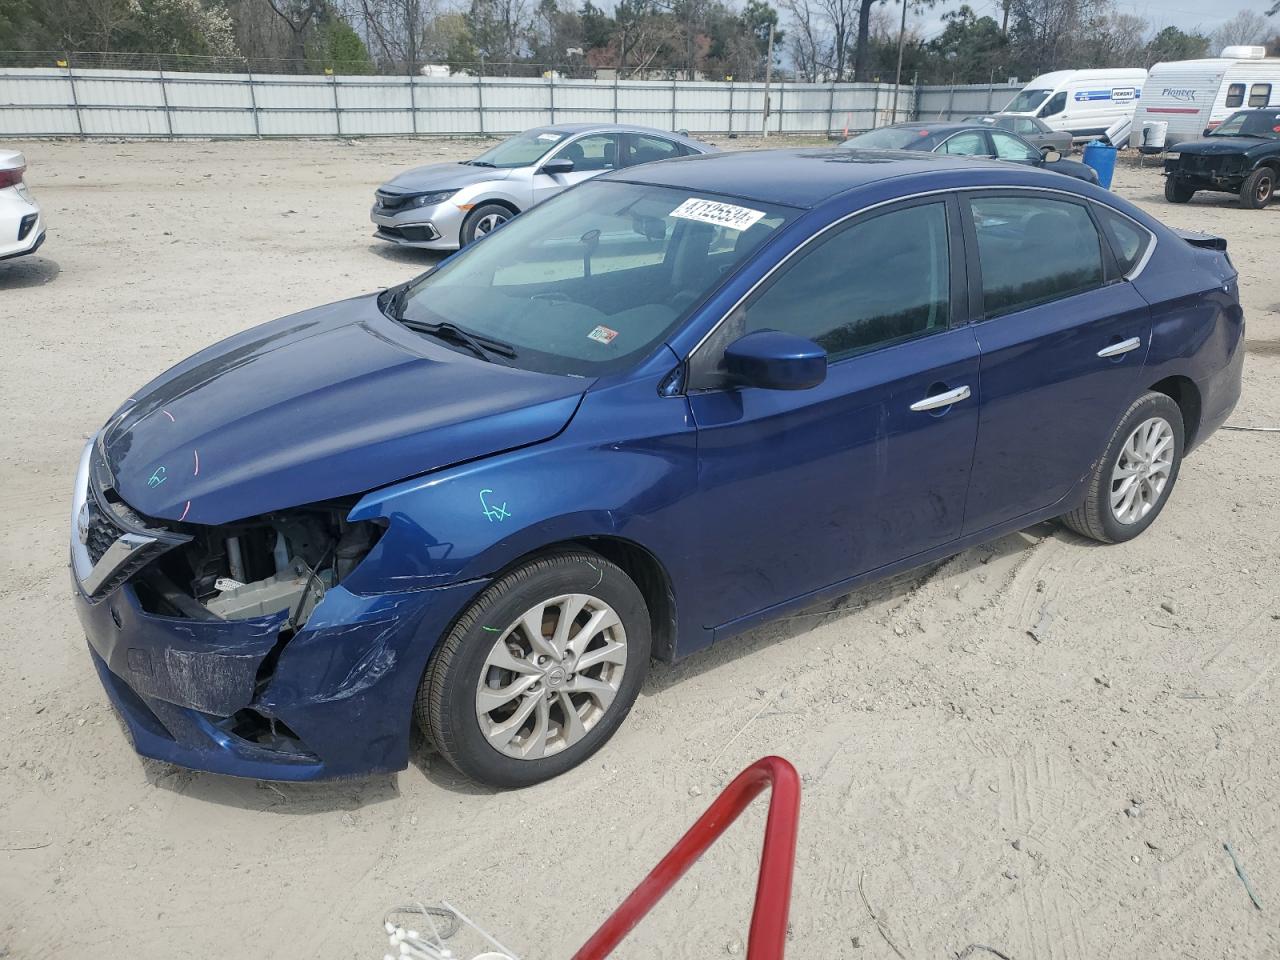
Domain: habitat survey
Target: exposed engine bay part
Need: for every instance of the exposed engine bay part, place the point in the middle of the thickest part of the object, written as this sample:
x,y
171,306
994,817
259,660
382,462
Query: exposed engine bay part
x,y
255,568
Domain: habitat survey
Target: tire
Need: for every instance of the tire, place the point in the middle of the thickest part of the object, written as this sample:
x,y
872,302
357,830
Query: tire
x,y
483,220
1176,192
1099,517
495,747
1258,189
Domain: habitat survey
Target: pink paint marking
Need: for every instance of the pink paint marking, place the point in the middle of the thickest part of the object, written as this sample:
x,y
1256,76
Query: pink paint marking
x,y
169,415
197,456
185,511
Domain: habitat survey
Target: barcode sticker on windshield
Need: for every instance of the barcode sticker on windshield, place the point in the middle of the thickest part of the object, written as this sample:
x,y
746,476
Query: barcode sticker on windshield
x,y
717,214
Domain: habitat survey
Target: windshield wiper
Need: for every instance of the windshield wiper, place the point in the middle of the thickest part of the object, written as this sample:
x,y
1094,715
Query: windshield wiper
x,y
482,347
395,301
479,163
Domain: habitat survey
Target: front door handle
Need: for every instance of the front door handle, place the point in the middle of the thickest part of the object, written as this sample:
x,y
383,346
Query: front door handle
x,y
1124,346
940,400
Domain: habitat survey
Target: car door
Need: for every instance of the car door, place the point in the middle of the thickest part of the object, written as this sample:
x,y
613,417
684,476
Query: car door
x,y
592,155
1063,338
803,489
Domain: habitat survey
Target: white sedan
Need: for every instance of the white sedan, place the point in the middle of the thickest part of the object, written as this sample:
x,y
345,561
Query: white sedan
x,y
21,227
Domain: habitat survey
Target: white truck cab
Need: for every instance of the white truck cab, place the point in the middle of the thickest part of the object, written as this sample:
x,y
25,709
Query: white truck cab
x,y
1085,103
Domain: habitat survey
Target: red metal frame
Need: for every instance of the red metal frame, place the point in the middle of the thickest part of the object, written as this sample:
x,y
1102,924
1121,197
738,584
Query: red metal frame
x,y
777,861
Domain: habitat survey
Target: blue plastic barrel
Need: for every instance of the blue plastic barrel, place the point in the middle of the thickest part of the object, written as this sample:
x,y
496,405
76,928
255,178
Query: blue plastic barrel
x,y
1103,159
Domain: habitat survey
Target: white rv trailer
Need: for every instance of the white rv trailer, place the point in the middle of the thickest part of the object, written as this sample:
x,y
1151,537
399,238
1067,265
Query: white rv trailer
x,y
1191,96
1083,102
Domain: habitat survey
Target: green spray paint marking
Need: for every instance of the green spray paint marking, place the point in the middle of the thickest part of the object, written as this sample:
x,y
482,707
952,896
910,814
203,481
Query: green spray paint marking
x,y
491,629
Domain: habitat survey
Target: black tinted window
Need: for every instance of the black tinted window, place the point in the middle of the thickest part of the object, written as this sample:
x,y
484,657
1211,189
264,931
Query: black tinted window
x,y
646,149
1128,240
1235,94
1034,250
1056,104
878,282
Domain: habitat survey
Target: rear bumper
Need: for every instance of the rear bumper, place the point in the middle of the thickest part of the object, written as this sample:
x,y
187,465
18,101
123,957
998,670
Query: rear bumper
x,y
228,697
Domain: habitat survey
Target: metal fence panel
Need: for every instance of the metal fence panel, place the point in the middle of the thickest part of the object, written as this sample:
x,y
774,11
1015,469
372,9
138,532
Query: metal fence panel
x,y
36,102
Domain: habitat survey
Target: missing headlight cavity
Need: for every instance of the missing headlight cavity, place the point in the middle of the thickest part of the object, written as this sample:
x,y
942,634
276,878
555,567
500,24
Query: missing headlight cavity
x,y
255,568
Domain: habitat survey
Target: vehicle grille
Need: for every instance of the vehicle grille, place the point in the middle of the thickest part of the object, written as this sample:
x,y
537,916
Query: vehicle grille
x,y
391,202
103,532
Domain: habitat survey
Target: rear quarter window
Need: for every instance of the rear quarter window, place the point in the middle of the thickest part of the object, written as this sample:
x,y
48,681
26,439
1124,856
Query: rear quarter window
x,y
1129,241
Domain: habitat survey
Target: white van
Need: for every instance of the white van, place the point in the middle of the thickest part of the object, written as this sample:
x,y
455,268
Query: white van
x,y
1083,102
1191,96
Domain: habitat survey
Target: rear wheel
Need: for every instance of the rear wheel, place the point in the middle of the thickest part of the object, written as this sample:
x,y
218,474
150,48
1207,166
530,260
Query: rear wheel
x,y
539,672
483,220
1176,192
1132,481
1258,189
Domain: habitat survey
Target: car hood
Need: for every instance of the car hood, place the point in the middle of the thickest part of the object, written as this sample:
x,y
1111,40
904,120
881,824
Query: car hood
x,y
326,403
1213,146
442,176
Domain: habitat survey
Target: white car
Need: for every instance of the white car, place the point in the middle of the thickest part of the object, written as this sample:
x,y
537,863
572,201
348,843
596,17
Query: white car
x,y
21,227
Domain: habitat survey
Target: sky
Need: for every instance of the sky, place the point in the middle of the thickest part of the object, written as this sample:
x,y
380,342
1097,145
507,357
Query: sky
x,y
1185,14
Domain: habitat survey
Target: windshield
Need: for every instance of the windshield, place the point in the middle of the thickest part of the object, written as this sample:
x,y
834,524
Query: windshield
x,y
591,280
888,138
1026,101
1250,123
522,150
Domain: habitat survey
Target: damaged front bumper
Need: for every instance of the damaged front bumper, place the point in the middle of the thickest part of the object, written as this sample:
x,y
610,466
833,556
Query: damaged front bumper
x,y
252,696
337,700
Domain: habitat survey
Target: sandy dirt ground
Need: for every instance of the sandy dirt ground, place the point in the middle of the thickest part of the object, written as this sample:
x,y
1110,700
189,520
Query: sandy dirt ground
x,y
1041,745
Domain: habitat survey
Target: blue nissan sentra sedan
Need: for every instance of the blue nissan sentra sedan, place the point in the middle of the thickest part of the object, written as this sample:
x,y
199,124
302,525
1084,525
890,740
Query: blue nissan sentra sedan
x,y
672,403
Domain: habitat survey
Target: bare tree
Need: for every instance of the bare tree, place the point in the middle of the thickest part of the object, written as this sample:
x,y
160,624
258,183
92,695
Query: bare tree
x,y
1246,27
299,16
805,46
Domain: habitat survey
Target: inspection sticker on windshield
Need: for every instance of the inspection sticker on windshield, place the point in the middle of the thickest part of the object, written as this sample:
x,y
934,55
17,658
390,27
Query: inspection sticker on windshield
x,y
717,214
602,334
549,137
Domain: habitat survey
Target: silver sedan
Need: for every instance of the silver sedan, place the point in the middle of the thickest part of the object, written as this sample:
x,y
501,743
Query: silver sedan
x,y
444,206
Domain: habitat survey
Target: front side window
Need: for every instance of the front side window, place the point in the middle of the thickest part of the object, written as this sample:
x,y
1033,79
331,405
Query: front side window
x,y
1009,147
522,150
1235,95
646,149
878,282
1034,250
1056,104
1026,101
1128,240
1260,95
971,143
1025,125
594,278
591,154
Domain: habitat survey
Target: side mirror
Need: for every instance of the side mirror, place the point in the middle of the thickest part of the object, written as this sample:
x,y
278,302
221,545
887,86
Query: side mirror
x,y
1052,156
557,166
1208,131
774,360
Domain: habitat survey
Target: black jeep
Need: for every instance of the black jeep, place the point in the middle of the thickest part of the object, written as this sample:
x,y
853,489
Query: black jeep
x,y
1241,155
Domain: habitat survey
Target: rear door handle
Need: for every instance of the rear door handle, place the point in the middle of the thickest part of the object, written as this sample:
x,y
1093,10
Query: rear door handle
x,y
1124,346
939,400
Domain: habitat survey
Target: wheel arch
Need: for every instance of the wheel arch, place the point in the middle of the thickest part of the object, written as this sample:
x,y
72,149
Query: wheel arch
x,y
1183,391
640,564
498,200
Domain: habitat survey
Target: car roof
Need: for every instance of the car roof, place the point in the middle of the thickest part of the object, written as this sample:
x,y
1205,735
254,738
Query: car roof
x,y
942,126
800,177
574,128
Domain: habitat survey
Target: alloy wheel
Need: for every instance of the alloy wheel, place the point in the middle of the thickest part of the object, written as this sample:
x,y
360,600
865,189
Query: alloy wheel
x,y
551,676
1142,470
489,223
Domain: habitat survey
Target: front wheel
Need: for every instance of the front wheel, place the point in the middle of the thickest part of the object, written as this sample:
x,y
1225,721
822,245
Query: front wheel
x,y
539,672
1258,188
483,220
1176,192
1132,481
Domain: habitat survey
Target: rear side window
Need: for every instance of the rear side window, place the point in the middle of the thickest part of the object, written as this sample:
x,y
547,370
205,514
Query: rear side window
x,y
1260,95
970,144
1235,95
876,283
646,149
1128,240
1034,250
